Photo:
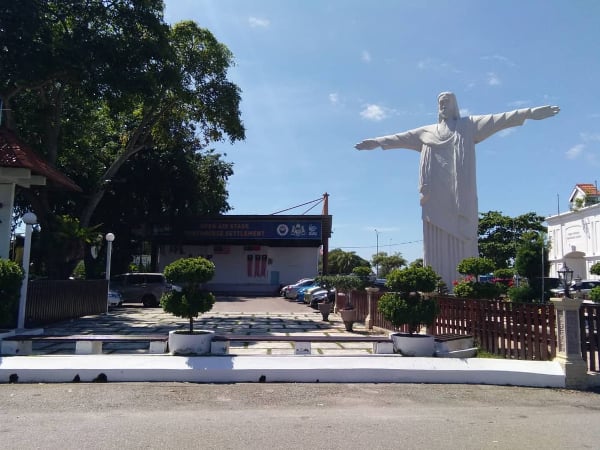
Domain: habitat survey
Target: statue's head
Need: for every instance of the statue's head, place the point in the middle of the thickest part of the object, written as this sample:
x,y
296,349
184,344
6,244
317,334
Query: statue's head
x,y
447,106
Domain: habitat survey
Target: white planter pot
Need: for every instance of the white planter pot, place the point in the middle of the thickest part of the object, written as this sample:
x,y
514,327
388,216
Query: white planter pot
x,y
198,343
413,344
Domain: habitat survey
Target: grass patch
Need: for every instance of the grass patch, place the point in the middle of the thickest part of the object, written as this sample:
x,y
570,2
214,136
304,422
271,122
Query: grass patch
x,y
484,354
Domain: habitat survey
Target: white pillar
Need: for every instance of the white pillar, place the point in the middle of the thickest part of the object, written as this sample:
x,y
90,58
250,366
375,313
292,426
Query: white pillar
x,y
369,318
568,351
7,194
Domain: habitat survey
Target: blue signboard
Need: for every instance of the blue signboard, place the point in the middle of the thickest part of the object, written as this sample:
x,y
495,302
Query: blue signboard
x,y
289,230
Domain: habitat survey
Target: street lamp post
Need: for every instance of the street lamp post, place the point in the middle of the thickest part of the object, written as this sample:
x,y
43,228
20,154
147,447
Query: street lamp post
x,y
377,254
567,275
109,240
30,220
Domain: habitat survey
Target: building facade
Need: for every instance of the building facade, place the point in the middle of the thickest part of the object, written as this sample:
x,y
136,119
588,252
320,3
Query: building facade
x,y
252,254
574,236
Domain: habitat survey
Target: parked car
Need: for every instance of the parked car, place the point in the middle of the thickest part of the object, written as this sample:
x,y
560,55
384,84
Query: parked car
x,y
146,288
309,291
303,290
321,296
292,292
285,288
114,298
380,283
581,287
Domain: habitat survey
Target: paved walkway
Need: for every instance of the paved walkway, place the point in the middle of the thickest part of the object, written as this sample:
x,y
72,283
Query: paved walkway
x,y
238,315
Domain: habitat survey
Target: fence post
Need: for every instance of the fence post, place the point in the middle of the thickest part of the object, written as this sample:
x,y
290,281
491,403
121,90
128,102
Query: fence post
x,y
568,352
369,318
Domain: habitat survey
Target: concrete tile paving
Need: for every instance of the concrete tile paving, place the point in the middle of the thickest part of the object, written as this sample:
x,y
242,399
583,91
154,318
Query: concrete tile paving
x,y
244,317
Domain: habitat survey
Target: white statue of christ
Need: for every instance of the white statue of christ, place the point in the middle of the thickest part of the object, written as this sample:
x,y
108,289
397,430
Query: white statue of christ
x,y
447,179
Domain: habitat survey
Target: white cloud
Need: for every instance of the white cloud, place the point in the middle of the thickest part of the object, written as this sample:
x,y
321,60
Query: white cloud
x,y
256,22
575,151
374,112
366,56
433,64
590,137
500,58
519,103
493,79
334,98
507,132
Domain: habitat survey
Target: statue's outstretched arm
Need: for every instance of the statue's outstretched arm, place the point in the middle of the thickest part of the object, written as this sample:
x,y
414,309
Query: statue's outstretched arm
x,y
543,112
367,144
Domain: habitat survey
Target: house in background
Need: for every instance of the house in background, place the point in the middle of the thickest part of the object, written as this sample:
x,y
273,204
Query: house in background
x,y
575,235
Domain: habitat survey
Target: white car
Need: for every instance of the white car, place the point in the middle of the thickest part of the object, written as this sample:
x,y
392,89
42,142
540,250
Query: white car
x,y
580,288
114,298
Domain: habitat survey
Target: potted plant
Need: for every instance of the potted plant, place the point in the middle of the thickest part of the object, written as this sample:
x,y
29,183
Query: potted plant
x,y
345,284
328,283
188,299
408,304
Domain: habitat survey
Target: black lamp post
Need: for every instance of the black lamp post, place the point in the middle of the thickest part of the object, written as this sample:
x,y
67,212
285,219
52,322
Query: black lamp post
x,y
567,275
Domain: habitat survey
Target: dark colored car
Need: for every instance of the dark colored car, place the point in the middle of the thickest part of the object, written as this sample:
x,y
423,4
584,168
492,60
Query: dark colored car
x,y
146,288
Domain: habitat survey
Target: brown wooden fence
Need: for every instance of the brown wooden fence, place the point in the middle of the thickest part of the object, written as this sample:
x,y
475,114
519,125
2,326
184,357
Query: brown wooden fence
x,y
512,330
51,301
589,323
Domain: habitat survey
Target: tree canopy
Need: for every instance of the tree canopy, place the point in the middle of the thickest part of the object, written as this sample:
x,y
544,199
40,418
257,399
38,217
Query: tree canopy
x,y
386,263
124,104
343,263
500,236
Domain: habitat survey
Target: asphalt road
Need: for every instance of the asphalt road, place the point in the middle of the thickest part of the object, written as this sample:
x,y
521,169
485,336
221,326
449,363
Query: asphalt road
x,y
295,416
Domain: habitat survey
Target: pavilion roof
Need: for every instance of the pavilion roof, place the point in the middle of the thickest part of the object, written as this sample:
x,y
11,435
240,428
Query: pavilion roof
x,y
16,154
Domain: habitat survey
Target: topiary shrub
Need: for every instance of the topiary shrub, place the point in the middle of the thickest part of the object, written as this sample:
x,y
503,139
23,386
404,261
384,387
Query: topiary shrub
x,y
406,304
11,278
188,298
595,294
521,294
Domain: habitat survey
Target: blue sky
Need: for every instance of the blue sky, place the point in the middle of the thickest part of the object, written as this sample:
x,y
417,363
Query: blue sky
x,y
318,76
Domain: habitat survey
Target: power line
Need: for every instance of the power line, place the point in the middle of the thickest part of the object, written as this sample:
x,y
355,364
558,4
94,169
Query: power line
x,y
380,245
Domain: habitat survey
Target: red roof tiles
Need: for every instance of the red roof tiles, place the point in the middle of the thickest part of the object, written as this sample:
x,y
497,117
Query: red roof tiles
x,y
17,154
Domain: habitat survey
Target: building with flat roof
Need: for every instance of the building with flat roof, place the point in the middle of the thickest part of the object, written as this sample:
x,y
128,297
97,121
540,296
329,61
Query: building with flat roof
x,y
575,235
253,255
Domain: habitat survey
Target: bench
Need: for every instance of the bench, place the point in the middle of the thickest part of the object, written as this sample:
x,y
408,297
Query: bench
x,y
455,346
85,344
302,344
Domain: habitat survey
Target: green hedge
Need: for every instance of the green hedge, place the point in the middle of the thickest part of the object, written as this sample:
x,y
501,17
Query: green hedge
x,y
11,277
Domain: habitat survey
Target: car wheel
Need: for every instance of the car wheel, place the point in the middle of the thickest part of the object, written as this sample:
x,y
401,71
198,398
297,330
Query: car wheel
x,y
149,301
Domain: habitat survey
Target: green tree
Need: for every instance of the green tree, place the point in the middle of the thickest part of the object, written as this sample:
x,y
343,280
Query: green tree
x,y
171,87
595,269
500,236
341,262
386,263
475,267
529,257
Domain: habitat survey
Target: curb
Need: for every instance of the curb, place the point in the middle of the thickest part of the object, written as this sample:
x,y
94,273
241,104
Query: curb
x,y
279,369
